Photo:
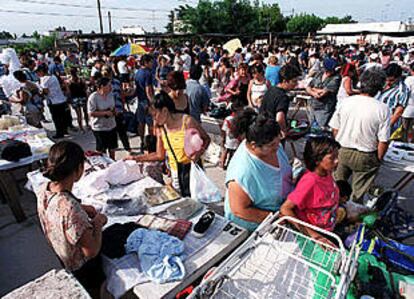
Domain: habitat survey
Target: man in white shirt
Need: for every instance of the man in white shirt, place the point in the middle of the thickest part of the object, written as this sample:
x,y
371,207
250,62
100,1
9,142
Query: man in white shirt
x,y
123,72
56,101
362,126
186,58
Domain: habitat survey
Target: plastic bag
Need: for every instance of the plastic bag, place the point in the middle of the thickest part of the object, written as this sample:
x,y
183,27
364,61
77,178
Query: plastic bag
x,y
123,172
192,142
201,187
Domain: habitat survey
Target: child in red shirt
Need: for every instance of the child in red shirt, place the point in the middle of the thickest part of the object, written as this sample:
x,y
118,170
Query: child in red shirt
x,y
315,199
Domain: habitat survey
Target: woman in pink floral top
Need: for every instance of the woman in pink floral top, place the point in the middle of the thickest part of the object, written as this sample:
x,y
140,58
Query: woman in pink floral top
x,y
73,230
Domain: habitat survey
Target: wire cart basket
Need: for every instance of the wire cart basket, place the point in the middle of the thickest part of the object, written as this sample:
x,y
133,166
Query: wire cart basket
x,y
277,261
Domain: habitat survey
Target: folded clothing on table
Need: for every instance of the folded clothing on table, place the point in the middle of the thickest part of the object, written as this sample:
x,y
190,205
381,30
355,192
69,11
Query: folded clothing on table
x,y
158,254
177,228
115,237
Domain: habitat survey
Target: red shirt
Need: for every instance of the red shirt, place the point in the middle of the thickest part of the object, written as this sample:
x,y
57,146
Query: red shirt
x,y
316,199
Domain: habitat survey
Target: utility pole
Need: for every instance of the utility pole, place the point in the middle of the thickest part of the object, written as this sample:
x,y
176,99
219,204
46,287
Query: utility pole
x,y
100,15
109,21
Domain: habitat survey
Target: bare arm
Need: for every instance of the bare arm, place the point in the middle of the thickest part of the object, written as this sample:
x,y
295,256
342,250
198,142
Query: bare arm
x,y
149,90
242,206
91,240
159,155
312,91
288,209
348,87
382,149
334,132
107,113
249,93
281,120
397,114
21,97
157,77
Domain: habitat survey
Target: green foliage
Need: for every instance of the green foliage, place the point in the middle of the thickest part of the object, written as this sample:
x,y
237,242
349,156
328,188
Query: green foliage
x,y
244,17
43,43
229,16
6,35
305,23
36,35
46,42
336,20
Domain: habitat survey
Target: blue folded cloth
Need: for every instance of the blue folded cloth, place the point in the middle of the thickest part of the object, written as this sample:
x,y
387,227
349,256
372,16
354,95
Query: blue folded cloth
x,y
158,253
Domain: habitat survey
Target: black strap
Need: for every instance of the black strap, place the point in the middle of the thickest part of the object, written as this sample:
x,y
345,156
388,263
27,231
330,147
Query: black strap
x,y
169,144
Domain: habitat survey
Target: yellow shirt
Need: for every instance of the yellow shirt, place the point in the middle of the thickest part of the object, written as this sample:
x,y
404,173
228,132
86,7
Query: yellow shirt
x,y
177,143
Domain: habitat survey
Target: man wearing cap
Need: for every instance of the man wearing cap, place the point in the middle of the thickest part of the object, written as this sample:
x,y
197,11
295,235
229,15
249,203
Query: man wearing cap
x,y
323,88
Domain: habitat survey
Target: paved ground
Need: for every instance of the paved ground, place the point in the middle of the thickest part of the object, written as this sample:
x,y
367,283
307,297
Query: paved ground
x,y
25,255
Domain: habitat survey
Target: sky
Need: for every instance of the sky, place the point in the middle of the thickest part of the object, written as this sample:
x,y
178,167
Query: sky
x,y
24,16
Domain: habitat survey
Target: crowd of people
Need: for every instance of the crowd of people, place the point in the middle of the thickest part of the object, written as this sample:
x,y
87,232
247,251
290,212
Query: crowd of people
x,y
363,95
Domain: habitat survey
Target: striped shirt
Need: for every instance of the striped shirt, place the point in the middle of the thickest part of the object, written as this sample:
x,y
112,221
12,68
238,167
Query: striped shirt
x,y
396,95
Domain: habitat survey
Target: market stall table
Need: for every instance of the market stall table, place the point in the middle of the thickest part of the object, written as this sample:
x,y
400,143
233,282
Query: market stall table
x,y
230,237
398,159
124,273
11,172
202,253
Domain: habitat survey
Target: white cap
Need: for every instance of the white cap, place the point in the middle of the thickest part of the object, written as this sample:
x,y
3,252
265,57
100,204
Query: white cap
x,y
373,56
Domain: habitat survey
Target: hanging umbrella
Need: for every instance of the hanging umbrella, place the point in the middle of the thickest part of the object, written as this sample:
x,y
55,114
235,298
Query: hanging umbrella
x,y
129,49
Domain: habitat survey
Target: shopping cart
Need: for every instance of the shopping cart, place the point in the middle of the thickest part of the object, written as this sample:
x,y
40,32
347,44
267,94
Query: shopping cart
x,y
277,261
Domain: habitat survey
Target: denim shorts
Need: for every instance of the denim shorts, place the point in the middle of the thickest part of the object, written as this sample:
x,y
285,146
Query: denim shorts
x,y
142,113
78,102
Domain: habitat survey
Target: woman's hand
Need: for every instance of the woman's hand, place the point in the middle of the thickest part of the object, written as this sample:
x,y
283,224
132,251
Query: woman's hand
x,y
90,210
197,155
324,240
130,158
100,220
134,158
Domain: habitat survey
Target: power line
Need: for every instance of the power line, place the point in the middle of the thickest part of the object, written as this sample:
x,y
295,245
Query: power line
x,y
56,14
41,2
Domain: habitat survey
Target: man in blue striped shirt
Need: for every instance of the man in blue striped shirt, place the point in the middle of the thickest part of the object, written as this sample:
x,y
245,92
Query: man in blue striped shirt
x,y
395,94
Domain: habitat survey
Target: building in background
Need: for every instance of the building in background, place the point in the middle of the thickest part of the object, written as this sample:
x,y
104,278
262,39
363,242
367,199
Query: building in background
x,y
361,33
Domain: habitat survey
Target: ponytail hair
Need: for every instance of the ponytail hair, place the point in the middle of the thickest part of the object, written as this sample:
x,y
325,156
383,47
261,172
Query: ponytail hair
x,y
258,128
163,100
64,159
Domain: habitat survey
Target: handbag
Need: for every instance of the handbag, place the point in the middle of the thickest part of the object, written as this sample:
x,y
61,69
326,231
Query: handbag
x,y
183,171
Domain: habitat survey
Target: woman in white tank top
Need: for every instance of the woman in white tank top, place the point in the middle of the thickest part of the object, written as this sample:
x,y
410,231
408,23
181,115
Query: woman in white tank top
x,y
258,86
346,89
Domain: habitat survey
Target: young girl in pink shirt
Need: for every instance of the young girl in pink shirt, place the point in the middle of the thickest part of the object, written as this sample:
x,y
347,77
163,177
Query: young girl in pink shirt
x,y
316,197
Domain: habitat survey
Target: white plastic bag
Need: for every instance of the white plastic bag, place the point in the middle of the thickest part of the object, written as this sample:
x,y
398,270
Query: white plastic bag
x,y
201,187
123,172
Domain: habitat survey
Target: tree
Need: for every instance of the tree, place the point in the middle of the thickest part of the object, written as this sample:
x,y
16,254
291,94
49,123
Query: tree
x,y
229,16
336,20
6,35
36,35
305,23
270,18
